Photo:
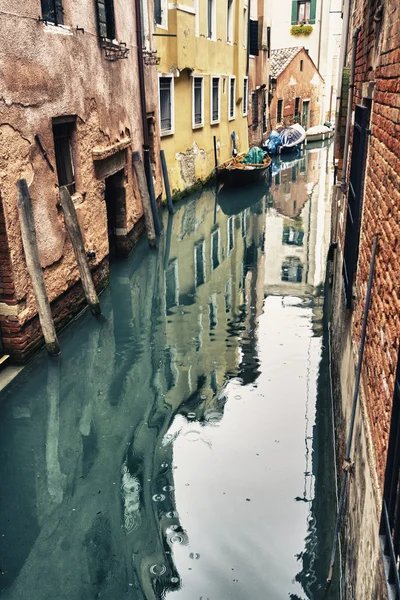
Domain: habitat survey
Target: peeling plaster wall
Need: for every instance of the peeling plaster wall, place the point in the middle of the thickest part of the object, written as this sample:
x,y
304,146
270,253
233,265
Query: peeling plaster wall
x,y
46,72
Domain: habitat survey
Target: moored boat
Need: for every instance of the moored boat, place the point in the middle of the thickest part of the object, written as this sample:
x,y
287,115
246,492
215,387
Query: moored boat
x,y
319,133
292,138
236,172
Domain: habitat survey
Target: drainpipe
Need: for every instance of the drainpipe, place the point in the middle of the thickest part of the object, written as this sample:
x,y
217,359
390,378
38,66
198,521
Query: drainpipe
x,y
142,89
349,109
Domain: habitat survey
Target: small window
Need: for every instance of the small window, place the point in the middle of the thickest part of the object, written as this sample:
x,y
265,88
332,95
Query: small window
x,y
303,11
105,19
199,263
253,38
245,27
232,97
229,24
301,65
157,12
245,96
254,108
215,100
211,19
215,249
166,105
198,102
62,133
160,13
297,110
268,42
279,111
52,11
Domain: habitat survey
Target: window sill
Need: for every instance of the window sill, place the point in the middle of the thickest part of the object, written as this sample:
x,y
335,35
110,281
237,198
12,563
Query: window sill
x,y
166,133
231,118
57,29
215,122
245,114
200,126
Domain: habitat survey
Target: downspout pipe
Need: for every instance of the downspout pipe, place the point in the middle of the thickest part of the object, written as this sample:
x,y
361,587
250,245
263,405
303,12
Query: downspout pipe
x,y
349,109
143,110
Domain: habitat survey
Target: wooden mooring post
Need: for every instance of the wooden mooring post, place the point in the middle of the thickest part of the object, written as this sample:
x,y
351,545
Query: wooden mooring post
x,y
166,183
31,251
144,194
75,235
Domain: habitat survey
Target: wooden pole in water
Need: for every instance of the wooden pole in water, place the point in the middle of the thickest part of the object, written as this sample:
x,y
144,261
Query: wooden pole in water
x,y
166,183
144,194
31,251
75,235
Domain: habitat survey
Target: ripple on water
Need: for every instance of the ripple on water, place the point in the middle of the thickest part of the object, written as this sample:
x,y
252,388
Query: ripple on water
x,y
192,435
172,514
158,569
168,488
194,555
158,497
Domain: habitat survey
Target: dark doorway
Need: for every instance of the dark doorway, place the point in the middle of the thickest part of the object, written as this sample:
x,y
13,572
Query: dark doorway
x,y
116,211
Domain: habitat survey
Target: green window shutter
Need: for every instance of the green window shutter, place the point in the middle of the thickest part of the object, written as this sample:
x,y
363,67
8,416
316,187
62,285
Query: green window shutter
x,y
253,37
294,12
313,11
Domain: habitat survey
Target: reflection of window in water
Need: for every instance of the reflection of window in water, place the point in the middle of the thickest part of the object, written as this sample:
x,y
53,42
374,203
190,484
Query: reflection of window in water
x,y
244,224
294,173
170,370
215,253
294,205
241,276
199,339
171,284
286,187
303,165
213,311
228,296
231,238
292,270
278,178
292,236
199,263
214,382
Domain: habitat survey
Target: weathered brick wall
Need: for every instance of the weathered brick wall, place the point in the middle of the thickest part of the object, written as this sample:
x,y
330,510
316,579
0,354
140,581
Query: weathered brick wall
x,y
378,56
7,291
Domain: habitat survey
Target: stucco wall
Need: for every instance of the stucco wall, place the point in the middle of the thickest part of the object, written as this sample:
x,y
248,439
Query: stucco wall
x,y
50,71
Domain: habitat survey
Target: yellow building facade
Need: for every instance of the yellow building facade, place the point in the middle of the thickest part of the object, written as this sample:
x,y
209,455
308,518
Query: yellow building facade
x,y
203,84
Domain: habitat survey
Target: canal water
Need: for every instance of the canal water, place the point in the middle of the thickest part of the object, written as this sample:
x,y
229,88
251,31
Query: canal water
x,y
181,445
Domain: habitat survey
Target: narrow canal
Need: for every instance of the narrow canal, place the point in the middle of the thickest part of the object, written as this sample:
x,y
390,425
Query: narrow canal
x,y
181,446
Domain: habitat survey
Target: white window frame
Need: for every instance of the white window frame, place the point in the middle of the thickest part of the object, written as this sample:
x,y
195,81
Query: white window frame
x,y
245,102
215,121
172,88
213,37
245,26
232,118
230,21
164,15
198,125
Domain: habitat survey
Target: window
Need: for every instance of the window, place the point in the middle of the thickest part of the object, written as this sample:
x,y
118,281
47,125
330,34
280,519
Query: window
x,y
253,37
198,102
354,200
245,27
229,24
297,110
52,11
213,308
268,42
228,296
264,113
304,10
215,100
62,133
166,105
279,111
389,531
245,96
301,65
157,12
254,108
231,237
211,19
232,97
171,285
215,253
160,13
105,19
199,263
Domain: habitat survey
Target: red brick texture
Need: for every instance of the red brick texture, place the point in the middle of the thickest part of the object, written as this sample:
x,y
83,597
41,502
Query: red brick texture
x,y
7,291
378,59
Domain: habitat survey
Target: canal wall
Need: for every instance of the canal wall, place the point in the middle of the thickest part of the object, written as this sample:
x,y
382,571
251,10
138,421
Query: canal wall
x,y
69,116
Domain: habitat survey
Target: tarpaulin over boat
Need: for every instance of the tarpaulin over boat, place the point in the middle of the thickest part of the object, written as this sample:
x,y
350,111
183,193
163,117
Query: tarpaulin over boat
x,y
290,136
255,156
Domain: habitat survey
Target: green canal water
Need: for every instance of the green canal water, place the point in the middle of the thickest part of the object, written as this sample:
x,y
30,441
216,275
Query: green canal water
x,y
181,445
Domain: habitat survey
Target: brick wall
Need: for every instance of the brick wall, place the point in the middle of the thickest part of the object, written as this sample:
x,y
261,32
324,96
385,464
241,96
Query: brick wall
x,y
378,56
7,291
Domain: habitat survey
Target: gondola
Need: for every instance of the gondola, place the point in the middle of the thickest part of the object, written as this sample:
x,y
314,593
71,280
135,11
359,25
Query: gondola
x,y
234,172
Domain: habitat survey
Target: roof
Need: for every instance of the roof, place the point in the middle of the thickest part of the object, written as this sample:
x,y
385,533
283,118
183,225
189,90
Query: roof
x,y
281,58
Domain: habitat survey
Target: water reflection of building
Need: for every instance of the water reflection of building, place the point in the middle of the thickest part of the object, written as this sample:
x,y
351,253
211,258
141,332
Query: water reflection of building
x,y
87,442
296,227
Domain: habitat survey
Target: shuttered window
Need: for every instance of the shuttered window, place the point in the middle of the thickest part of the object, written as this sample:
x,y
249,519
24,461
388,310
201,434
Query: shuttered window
x,y
254,108
215,99
245,96
253,37
304,10
198,102
52,11
157,12
166,105
232,95
105,19
279,111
